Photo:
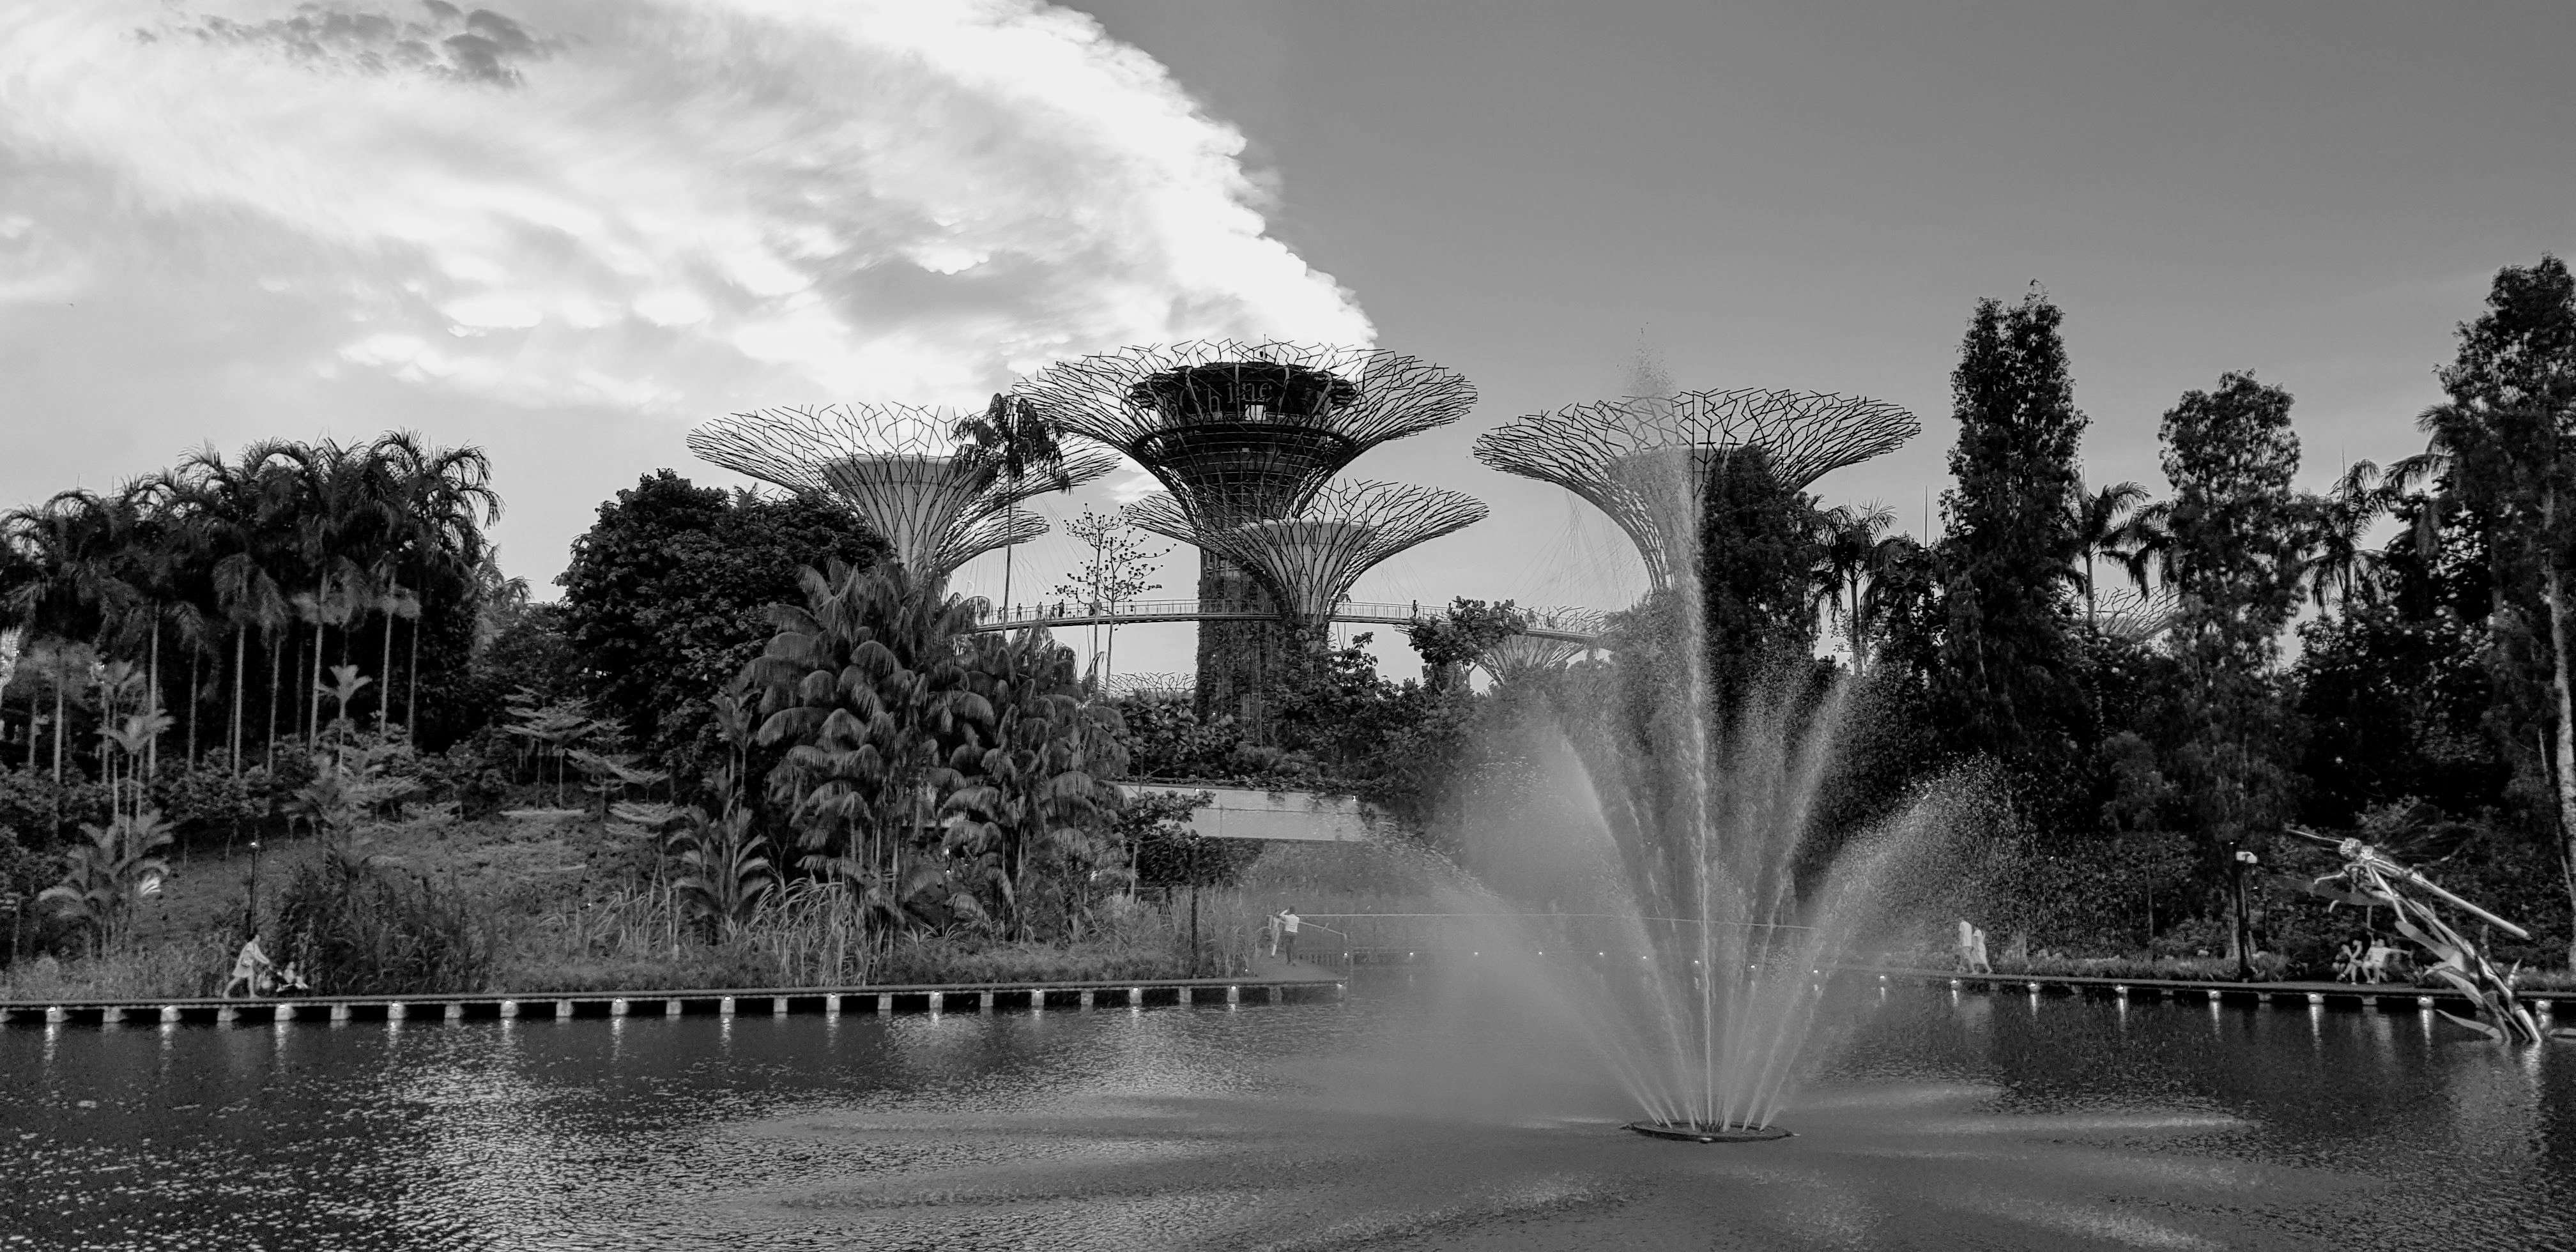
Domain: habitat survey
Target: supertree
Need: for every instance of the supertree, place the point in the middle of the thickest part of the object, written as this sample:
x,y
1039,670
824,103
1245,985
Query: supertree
x,y
899,468
1548,639
1645,460
1241,433
1307,561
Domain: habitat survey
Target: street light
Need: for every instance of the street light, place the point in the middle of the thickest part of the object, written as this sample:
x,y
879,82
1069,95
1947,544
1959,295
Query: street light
x,y
2244,922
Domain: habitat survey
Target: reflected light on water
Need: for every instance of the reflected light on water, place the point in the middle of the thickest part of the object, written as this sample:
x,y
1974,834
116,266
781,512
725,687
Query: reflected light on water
x,y
1412,1114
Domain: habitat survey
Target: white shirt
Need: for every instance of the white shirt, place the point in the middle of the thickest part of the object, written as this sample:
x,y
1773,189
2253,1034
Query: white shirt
x,y
1289,920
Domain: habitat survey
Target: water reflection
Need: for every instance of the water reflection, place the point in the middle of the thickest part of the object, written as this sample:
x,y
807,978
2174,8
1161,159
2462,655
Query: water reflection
x,y
1406,1115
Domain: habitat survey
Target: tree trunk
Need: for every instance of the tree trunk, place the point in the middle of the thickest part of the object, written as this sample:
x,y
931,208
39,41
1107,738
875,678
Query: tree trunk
x,y
196,666
411,699
152,750
2563,740
385,676
274,675
233,742
58,732
313,697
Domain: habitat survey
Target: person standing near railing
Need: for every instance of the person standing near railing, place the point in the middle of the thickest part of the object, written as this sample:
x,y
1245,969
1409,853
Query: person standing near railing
x,y
1288,933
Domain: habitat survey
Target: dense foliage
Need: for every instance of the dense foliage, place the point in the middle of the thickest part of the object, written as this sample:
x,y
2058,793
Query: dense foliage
x,y
667,594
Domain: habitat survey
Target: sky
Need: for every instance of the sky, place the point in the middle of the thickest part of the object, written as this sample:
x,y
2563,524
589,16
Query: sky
x,y
568,232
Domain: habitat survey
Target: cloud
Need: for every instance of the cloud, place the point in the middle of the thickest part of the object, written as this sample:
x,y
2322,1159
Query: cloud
x,y
650,207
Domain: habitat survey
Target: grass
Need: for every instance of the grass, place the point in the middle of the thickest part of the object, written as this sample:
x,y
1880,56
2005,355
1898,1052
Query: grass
x,y
139,969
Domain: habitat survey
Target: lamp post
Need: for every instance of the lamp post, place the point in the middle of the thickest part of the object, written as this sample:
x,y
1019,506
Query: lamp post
x,y
250,917
2244,923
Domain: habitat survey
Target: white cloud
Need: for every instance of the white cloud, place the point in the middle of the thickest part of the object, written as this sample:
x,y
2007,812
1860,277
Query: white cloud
x,y
649,205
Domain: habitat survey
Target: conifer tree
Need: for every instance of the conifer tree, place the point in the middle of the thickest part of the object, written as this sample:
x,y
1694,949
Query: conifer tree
x,y
2509,433
2001,675
2233,557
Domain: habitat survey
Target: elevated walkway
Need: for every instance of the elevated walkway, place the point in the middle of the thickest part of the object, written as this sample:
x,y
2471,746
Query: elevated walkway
x,y
1141,612
1283,985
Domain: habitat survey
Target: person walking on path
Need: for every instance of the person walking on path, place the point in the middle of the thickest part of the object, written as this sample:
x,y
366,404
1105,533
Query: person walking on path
x,y
1288,933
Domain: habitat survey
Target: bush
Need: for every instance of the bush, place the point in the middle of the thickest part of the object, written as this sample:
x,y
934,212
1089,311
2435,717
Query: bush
x,y
206,802
42,811
945,961
354,927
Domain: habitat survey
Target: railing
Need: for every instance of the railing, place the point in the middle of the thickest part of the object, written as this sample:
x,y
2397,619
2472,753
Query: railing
x,y
1569,628
1600,936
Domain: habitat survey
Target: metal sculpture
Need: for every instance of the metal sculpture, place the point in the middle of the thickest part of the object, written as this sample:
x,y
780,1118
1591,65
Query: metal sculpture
x,y
1308,561
1645,460
1156,684
1239,433
1524,655
901,470
2371,877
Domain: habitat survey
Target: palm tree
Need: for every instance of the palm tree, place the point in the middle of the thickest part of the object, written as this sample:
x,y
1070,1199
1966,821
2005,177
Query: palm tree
x,y
2336,563
1851,542
863,683
1017,441
231,514
446,500
2102,521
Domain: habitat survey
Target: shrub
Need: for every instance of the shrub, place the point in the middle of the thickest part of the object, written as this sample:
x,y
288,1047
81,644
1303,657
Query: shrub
x,y
42,811
202,802
353,926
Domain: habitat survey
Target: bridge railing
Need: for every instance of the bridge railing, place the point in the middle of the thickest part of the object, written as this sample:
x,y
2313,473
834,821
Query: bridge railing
x,y
1580,627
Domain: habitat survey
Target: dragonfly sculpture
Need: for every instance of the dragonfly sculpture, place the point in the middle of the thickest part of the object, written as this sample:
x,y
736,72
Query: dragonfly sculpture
x,y
2372,877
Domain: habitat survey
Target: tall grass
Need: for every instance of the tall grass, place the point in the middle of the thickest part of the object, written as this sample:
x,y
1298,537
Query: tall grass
x,y
192,965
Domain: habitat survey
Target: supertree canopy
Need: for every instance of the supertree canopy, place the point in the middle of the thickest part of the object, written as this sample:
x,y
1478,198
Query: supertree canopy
x,y
1521,655
1308,561
1241,433
1645,460
1244,432
901,470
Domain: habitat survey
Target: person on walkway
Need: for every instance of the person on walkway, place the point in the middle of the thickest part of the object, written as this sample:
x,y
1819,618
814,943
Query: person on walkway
x,y
1270,934
1288,933
251,971
1972,949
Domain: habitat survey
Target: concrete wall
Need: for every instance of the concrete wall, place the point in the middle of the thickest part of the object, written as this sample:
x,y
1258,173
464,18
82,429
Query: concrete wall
x,y
1288,816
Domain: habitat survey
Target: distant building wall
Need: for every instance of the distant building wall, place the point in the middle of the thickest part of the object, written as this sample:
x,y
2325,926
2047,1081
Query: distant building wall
x,y
1283,816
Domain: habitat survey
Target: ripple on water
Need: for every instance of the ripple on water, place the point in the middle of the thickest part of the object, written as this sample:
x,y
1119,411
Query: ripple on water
x,y
1401,1118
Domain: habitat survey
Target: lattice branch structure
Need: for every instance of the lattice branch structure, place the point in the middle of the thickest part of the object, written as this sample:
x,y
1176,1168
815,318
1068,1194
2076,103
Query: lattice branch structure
x,y
1154,684
1308,561
1241,432
1646,460
900,469
1521,656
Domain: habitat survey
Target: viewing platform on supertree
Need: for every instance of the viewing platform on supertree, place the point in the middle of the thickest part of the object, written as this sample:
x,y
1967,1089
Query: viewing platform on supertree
x,y
1240,432
902,470
1645,460
1309,560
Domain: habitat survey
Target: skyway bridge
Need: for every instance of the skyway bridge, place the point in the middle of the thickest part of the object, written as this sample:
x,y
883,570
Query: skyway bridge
x,y
1137,612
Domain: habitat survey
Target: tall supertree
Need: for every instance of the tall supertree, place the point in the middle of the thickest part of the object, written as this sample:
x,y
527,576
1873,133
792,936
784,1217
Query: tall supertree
x,y
1307,561
1645,460
1547,640
1241,433
899,468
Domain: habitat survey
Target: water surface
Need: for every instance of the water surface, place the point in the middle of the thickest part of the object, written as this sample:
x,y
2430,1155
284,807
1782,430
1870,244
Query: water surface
x,y
1426,1111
